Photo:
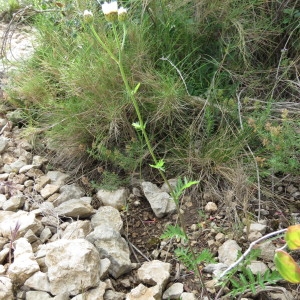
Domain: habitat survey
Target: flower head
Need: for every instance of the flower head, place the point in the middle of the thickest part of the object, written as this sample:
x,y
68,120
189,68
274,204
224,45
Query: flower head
x,y
122,14
110,11
88,16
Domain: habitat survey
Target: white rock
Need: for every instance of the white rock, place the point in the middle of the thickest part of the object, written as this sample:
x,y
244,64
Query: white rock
x,y
188,296
34,295
6,290
160,202
257,227
142,292
14,203
3,254
73,266
111,245
38,281
107,215
154,272
228,252
24,264
49,190
116,199
211,207
3,143
215,269
45,234
68,192
2,200
26,168
174,291
77,230
104,267
92,294
8,221
77,208
113,295
58,178
257,267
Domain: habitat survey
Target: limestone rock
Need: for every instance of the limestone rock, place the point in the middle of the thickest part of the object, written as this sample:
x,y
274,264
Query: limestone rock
x,y
3,254
228,252
6,290
174,291
92,294
68,192
34,295
160,202
14,203
57,177
8,221
113,295
77,230
211,207
49,190
111,245
77,208
3,143
257,227
24,264
107,215
38,281
73,266
188,296
155,272
142,292
258,267
116,199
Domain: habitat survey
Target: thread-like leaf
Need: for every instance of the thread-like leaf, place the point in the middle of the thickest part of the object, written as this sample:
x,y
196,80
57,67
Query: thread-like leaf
x,y
287,267
292,237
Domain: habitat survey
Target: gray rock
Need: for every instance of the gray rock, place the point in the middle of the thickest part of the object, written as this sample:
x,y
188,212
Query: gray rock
x,y
174,291
68,192
73,266
111,245
257,227
267,250
15,116
173,184
215,269
142,292
24,264
49,190
258,267
92,294
188,296
116,199
107,215
160,202
228,252
104,267
34,295
45,234
113,295
77,208
58,177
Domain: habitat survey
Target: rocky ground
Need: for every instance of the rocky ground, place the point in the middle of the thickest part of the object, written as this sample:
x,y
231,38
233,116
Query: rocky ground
x,y
60,239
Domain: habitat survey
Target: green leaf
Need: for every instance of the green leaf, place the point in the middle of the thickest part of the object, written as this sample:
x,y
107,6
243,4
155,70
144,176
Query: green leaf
x,y
292,237
159,165
138,126
287,267
136,88
173,232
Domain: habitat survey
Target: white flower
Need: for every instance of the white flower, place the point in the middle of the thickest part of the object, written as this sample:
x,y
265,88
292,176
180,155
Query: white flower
x,y
111,7
122,14
88,16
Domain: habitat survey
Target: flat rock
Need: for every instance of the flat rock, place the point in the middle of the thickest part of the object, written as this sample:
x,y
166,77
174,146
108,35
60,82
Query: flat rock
x,y
3,143
77,230
258,267
174,291
38,281
68,192
14,203
6,290
92,294
228,252
141,292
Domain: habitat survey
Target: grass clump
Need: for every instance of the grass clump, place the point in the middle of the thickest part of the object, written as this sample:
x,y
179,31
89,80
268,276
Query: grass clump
x,y
205,69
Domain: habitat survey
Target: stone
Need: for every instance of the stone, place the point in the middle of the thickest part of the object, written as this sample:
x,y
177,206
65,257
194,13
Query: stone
x,y
2,200
34,295
6,290
107,215
172,183
77,230
38,161
142,292
45,234
174,291
3,255
116,199
3,143
267,250
257,267
77,208
253,236
160,202
188,296
41,182
68,192
26,168
14,203
113,295
92,294
211,207
49,190
104,267
58,178
154,272
111,245
228,252
26,221
30,236
73,266
38,281
215,269
257,227
24,264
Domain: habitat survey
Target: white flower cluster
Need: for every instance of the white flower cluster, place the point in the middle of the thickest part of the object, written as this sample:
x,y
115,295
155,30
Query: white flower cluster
x,y
112,13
